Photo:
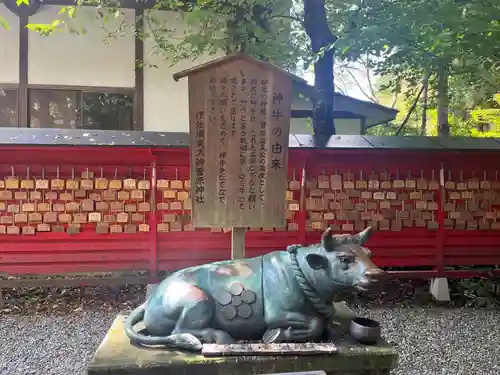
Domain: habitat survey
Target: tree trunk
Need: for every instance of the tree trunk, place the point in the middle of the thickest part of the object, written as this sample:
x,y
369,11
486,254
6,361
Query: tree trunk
x,y
442,102
316,27
423,125
396,92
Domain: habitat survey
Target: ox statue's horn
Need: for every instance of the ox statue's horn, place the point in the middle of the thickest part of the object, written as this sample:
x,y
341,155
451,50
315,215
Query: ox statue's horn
x,y
329,241
363,236
326,238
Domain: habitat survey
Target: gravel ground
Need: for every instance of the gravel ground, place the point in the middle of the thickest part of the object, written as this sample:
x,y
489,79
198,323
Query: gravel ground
x,y
49,344
430,341
436,341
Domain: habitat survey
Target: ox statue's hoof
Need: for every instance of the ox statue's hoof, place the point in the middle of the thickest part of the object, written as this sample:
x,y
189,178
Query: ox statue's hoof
x,y
274,335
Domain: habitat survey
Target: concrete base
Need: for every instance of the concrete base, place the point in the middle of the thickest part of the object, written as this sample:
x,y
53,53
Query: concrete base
x,y
440,290
116,356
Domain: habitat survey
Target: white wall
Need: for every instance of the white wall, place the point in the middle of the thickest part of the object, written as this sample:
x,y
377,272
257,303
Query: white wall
x,y
65,58
373,113
300,126
86,60
166,101
344,126
348,126
9,48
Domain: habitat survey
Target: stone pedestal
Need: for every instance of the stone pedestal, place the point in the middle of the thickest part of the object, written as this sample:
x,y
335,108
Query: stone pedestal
x,y
116,356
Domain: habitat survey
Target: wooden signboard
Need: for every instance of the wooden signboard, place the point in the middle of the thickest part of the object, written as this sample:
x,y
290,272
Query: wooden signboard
x,y
239,114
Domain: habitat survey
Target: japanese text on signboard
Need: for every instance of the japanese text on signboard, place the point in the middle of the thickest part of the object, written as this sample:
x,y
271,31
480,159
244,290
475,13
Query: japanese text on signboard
x,y
245,123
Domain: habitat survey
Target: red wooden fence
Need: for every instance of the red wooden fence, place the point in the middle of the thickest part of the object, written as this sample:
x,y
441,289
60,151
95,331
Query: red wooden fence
x,y
412,248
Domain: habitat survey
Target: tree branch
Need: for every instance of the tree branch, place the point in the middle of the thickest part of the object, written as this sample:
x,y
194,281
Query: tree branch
x,y
394,99
412,108
369,79
339,89
423,125
360,87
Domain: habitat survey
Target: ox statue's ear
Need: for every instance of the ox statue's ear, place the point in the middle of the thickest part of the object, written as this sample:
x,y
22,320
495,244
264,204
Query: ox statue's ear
x,y
316,261
362,237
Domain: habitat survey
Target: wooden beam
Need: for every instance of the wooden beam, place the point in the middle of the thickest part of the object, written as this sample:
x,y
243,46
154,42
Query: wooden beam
x,y
363,126
22,91
127,4
307,113
97,89
139,70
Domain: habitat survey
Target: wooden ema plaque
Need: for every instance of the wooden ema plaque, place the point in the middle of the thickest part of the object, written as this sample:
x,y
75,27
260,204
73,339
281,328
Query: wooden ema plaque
x,y
472,201
239,113
59,205
348,201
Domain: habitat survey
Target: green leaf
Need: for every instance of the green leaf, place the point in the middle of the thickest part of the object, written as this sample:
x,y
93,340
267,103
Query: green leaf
x,y
4,24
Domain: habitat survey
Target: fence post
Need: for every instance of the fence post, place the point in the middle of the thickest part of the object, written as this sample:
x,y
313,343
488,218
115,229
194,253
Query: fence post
x,y
440,216
302,214
153,233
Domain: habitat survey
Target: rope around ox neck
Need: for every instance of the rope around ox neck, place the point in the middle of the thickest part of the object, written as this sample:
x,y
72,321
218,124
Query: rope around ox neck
x,y
325,310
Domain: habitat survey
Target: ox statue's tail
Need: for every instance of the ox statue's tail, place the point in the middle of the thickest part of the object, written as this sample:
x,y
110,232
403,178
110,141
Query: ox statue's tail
x,y
184,341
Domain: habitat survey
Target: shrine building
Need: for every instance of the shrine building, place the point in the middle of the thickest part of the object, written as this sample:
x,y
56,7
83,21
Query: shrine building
x,y
80,80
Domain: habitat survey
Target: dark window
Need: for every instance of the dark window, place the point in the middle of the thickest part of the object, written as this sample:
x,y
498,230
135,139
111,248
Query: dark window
x,y
54,109
484,127
8,107
72,109
107,111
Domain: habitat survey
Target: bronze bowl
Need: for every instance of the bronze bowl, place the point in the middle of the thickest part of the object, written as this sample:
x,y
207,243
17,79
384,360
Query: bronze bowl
x,y
365,331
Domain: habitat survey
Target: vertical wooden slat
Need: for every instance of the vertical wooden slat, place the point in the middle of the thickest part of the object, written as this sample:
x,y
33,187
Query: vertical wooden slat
x,y
153,228
22,92
440,234
302,213
79,108
363,126
139,70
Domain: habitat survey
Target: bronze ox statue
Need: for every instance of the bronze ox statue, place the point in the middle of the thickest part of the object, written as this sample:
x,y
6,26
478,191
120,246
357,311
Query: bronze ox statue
x,y
283,296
